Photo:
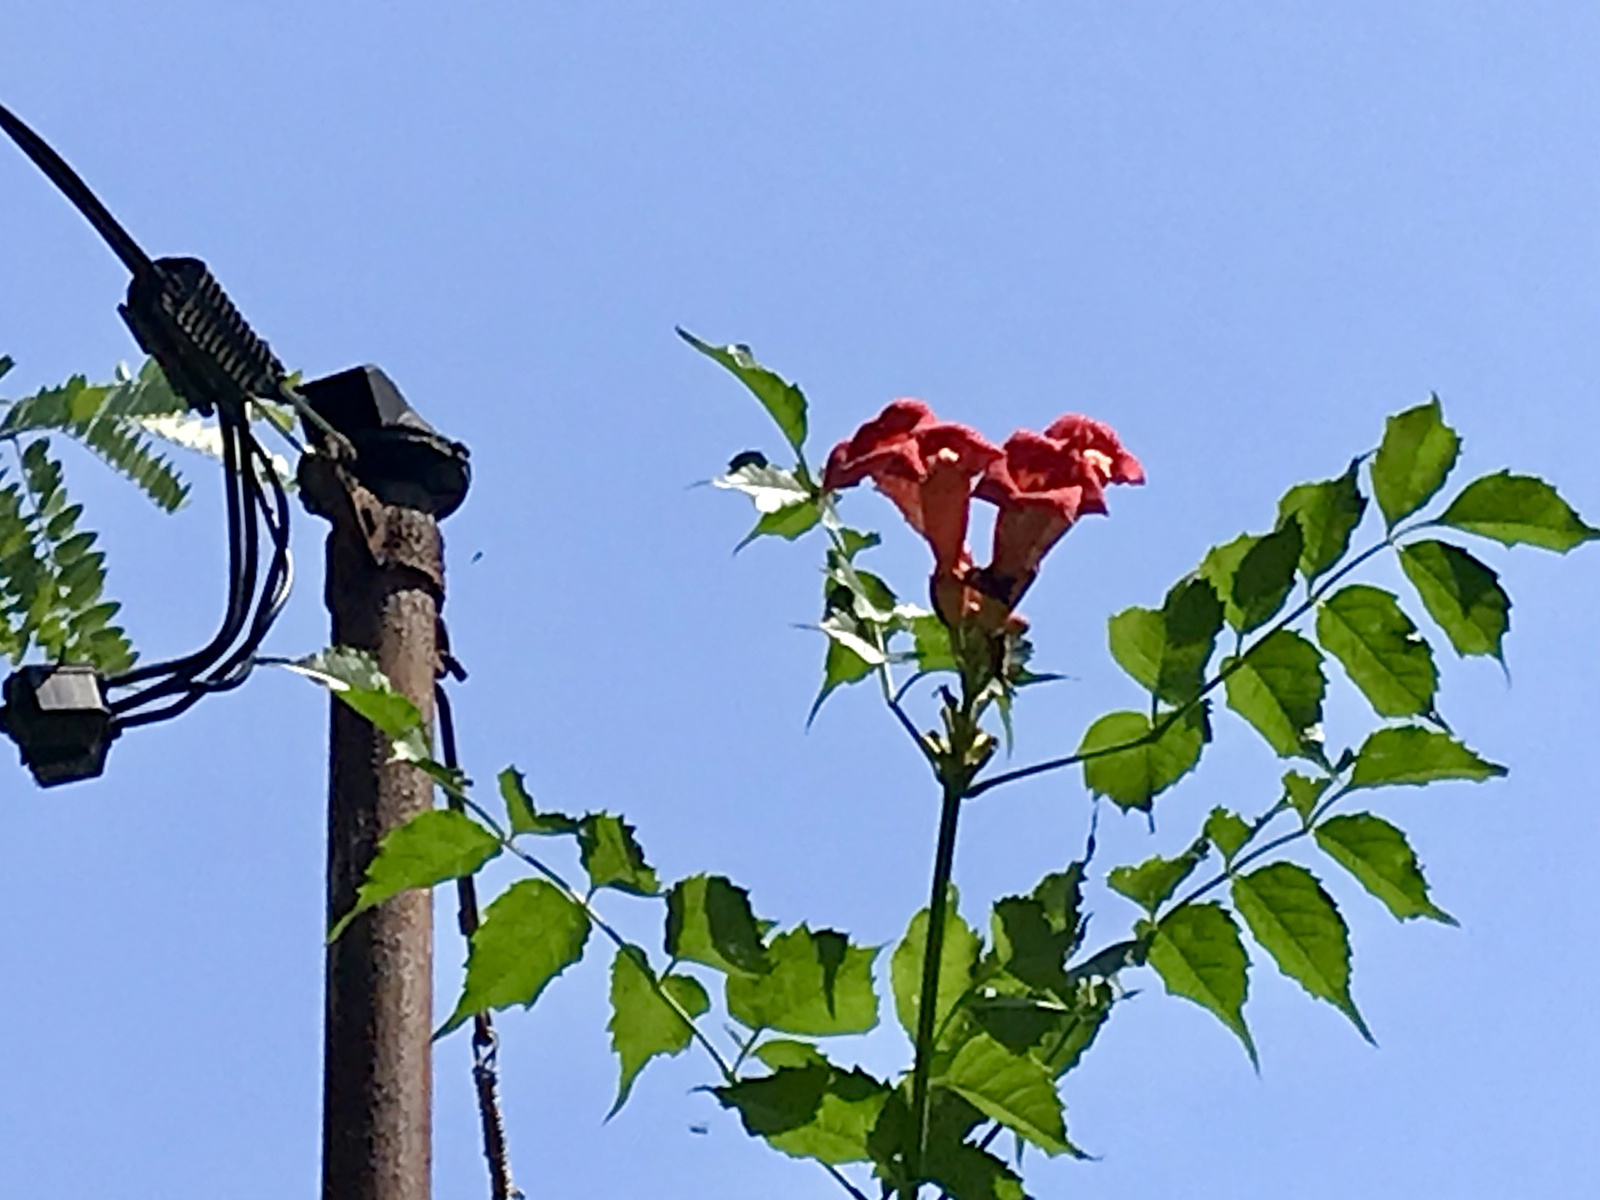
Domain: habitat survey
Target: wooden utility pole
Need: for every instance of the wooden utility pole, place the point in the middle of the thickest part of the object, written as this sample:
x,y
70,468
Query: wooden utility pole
x,y
384,589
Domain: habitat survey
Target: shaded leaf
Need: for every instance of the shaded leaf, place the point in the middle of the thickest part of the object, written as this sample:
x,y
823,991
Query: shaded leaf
x,y
1417,452
1197,951
1518,510
643,1025
1298,923
1153,881
1303,793
1264,577
429,848
798,996
1409,754
1133,776
1461,594
1278,687
709,921
1380,649
530,934
1026,944
613,857
1167,650
783,400
838,1129
1060,894
521,814
1378,855
777,1103
1328,512
1227,831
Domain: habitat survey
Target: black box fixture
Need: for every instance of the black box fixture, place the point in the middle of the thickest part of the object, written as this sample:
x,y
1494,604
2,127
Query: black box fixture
x,y
58,717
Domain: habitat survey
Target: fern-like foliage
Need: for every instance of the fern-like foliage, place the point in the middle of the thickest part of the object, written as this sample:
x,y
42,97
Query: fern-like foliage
x,y
51,578
110,420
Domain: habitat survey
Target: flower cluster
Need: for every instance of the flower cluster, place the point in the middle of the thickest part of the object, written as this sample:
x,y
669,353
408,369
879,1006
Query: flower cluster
x,y
1040,483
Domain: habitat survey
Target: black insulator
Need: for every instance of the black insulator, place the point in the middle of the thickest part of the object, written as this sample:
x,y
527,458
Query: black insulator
x,y
58,717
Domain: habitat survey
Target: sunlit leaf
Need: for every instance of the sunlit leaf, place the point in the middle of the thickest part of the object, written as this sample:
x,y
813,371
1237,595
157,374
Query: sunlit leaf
x,y
643,1025
1461,594
354,677
612,856
783,400
1152,882
1518,510
1409,754
1133,776
1278,688
530,934
523,816
807,991
709,921
429,848
959,955
1009,1088
1227,831
838,1129
1302,793
1298,923
1380,649
1328,512
1416,455
1378,855
1166,650
1197,951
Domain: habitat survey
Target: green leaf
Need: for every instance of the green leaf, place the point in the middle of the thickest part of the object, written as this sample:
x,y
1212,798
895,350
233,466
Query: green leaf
x,y
1278,688
1197,951
1518,510
530,934
1265,576
1167,650
1009,1088
1409,754
842,666
521,814
1298,923
838,1129
783,400
1153,881
1378,855
789,523
1418,451
643,1024
612,856
1027,946
1461,594
1133,777
356,679
932,647
778,1103
1328,513
429,848
1227,831
798,996
771,489
785,1052
959,1169
1060,893
1302,793
959,956
1380,649
709,921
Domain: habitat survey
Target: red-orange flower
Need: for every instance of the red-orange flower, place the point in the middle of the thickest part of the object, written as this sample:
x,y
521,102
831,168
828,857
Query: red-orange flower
x,y
1042,484
926,466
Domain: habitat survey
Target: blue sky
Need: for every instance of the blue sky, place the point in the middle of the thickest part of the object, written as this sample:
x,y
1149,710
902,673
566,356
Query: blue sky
x,y
1242,234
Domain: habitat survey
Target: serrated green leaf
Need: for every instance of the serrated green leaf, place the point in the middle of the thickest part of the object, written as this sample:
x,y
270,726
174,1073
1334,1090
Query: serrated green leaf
x,y
1298,923
1133,777
1416,455
932,647
709,921
1227,831
1153,881
1518,510
784,402
530,934
1278,688
957,958
1380,649
1167,650
789,523
1265,577
962,1171
1379,856
1060,894
856,540
1302,793
521,814
1197,951
1328,512
355,678
1009,1088
838,1130
771,489
429,848
1461,594
1027,946
1412,755
777,1103
612,856
643,1025
785,1052
842,666
797,995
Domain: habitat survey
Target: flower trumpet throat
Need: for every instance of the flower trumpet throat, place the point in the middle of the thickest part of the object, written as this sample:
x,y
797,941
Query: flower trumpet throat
x,y
1041,484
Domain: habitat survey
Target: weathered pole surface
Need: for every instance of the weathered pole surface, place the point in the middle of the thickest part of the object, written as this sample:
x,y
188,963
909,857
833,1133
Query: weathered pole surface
x,y
385,583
